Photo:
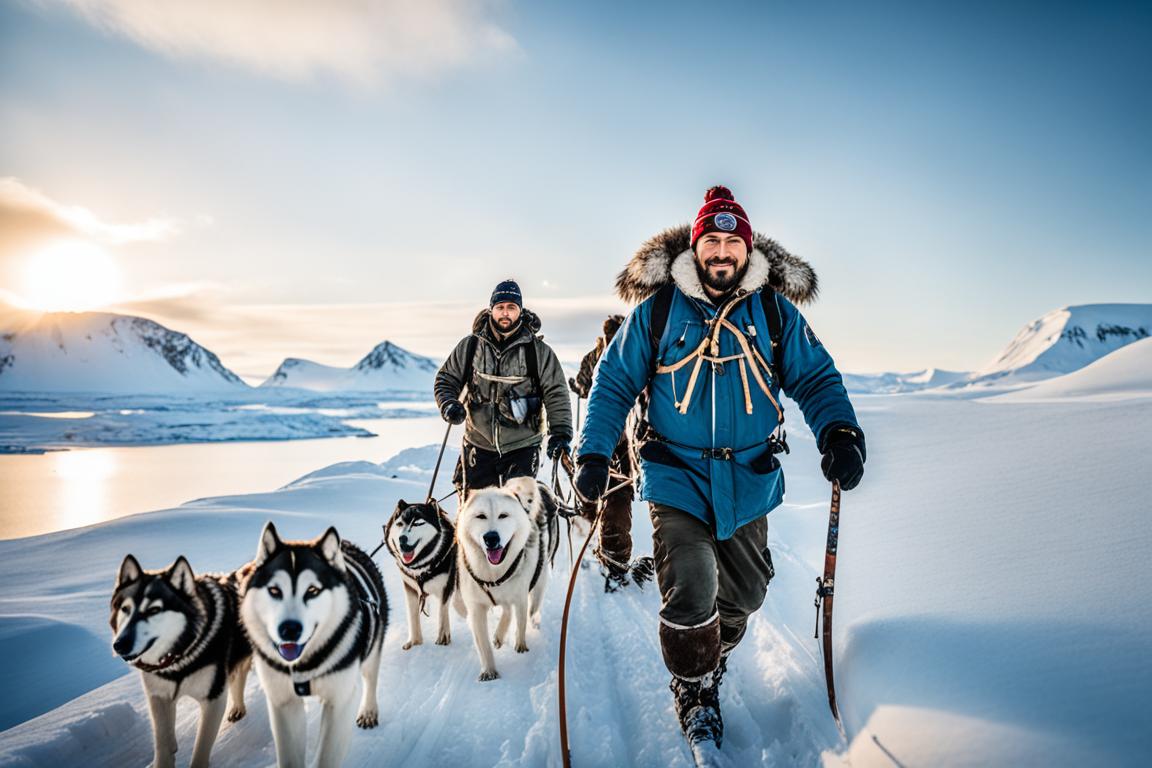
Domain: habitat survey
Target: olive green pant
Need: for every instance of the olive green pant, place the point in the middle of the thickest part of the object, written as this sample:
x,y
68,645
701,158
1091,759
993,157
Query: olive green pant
x,y
708,588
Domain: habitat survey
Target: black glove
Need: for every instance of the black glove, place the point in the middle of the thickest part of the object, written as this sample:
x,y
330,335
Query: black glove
x,y
453,412
844,454
591,477
558,445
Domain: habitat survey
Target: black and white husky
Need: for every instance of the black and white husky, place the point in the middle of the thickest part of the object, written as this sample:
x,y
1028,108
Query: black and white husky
x,y
315,612
182,632
507,538
423,541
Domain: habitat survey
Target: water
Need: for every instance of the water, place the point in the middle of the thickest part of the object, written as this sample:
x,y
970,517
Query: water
x,y
69,489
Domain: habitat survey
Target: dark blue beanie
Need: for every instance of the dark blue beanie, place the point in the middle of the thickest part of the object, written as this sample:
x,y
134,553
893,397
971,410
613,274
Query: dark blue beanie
x,y
507,291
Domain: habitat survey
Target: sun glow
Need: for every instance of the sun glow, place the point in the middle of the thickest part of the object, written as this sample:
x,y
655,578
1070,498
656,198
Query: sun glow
x,y
71,275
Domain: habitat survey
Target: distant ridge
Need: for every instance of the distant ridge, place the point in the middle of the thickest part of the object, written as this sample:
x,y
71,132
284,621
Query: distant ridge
x,y
386,368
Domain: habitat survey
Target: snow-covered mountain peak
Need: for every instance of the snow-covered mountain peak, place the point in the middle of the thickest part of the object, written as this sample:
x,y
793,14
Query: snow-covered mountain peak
x,y
388,356
1068,339
386,368
105,352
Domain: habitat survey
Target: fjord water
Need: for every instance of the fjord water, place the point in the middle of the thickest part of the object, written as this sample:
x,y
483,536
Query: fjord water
x,y
60,490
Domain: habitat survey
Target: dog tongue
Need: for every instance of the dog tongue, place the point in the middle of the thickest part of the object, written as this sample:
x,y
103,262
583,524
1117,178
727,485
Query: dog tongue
x,y
290,651
408,556
496,556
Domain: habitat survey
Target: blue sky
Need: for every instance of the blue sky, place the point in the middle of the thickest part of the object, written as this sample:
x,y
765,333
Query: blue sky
x,y
952,171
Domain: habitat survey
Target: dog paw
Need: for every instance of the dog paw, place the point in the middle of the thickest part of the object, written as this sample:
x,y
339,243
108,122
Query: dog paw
x,y
486,676
498,642
368,719
521,648
410,644
444,640
236,713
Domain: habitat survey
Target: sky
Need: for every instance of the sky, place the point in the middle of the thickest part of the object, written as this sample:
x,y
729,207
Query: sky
x,y
306,179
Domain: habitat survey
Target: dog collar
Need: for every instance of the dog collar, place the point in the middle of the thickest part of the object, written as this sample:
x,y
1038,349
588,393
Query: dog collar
x,y
487,585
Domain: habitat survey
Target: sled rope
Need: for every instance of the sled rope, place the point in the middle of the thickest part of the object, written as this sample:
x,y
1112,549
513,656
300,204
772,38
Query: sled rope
x,y
825,589
439,457
565,753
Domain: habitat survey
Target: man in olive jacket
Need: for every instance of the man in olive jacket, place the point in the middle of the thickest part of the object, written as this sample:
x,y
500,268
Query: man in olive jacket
x,y
515,387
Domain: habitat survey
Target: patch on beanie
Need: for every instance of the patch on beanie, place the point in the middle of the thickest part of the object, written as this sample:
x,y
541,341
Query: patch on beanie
x,y
725,222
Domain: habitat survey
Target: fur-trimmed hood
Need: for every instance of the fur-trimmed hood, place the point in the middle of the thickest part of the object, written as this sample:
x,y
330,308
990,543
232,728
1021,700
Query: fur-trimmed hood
x,y
668,257
529,321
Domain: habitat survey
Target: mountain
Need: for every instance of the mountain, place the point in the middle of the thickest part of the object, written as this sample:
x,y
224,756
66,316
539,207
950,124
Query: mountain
x,y
105,352
1066,340
1120,375
386,368
894,383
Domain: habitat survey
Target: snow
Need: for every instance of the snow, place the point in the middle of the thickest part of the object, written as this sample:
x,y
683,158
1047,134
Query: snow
x,y
985,614
386,367
1123,374
104,352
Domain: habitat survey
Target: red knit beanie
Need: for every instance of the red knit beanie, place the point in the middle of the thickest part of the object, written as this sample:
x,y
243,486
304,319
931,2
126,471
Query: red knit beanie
x,y
721,213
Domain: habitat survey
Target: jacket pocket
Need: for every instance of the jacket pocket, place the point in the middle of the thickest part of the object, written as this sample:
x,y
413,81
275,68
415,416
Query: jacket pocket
x,y
765,463
659,453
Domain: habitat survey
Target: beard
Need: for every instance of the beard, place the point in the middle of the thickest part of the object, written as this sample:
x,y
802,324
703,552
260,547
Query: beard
x,y
724,281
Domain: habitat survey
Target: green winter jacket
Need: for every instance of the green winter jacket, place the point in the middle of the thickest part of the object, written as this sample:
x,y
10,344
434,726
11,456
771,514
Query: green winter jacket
x,y
500,376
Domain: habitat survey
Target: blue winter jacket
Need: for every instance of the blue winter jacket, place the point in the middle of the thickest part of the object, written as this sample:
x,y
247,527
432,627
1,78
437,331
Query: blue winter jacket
x,y
724,493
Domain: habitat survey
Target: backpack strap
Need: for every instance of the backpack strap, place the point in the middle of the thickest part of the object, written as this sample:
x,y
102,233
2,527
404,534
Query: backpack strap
x,y
533,365
770,300
661,306
469,357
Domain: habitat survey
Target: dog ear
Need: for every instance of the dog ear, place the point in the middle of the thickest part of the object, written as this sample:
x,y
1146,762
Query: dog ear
x,y
526,492
180,576
401,505
130,571
269,543
329,546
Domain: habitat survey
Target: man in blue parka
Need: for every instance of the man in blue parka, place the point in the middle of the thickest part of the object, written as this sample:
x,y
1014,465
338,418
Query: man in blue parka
x,y
711,345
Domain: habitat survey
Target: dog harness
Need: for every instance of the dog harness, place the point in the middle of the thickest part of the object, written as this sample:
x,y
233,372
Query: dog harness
x,y
487,586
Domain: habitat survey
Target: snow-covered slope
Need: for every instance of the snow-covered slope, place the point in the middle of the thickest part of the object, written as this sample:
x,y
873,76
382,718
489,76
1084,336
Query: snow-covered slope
x,y
893,383
1123,374
1066,340
104,352
984,617
386,368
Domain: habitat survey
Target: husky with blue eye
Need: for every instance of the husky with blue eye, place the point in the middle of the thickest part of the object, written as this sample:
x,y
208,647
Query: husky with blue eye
x,y
315,613
423,541
182,632
506,540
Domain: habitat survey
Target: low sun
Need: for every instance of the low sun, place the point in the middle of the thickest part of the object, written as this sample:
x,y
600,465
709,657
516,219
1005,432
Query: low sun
x,y
71,276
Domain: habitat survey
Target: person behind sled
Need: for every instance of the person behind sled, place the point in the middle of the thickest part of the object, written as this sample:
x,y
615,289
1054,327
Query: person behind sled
x,y
713,342
515,387
614,550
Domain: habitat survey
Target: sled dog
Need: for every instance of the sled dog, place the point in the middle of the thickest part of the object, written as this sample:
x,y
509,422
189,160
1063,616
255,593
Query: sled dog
x,y
423,541
182,632
506,539
315,613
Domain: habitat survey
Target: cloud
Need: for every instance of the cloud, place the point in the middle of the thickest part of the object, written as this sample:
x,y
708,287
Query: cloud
x,y
360,40
29,218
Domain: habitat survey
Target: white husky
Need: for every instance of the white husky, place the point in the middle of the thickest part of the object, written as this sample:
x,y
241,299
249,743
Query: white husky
x,y
506,539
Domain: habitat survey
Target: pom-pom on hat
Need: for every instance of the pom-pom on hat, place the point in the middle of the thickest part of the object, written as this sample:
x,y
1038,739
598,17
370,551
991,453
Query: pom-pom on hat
x,y
507,291
721,213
